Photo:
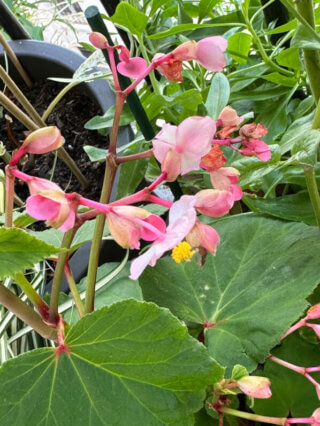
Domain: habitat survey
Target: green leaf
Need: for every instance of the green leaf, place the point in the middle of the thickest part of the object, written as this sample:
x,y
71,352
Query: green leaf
x,y
289,58
280,79
205,8
259,94
119,288
304,151
95,154
304,39
262,265
294,207
238,372
295,132
20,251
291,25
189,27
292,394
128,363
239,47
218,95
130,17
106,120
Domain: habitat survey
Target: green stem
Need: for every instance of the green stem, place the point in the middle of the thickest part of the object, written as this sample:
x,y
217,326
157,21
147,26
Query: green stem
x,y
57,99
153,79
9,198
309,174
62,257
26,313
254,417
74,290
263,53
311,57
32,295
14,89
108,180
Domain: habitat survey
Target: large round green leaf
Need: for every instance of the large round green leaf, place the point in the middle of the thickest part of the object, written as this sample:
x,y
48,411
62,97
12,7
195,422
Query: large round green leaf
x,y
251,292
131,363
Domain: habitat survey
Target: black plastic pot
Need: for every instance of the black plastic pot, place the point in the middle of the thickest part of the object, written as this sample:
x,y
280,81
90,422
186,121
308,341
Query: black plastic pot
x,y
42,60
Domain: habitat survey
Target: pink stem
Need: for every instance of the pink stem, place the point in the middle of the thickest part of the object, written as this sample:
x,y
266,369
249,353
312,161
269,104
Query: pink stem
x,y
220,141
131,199
113,68
157,182
20,175
138,156
160,201
17,155
295,327
133,85
312,369
103,208
309,420
9,197
143,224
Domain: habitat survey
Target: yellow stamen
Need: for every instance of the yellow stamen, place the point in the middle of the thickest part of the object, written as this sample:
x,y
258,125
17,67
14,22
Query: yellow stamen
x,y
182,252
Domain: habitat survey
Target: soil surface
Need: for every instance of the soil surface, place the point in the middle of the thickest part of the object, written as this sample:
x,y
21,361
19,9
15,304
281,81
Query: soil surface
x,y
69,115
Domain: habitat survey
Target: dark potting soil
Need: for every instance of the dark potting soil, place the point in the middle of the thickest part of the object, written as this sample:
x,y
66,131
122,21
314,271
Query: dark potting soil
x,y
69,115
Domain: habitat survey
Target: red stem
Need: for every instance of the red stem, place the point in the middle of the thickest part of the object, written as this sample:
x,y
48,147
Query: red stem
x,y
138,156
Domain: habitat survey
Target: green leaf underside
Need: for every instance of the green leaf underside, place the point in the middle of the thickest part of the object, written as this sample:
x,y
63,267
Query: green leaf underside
x,y
130,363
291,392
19,251
261,266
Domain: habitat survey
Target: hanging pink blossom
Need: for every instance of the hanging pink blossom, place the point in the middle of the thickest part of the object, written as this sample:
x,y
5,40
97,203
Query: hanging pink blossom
x,y
255,386
213,202
256,147
127,224
191,140
182,217
48,202
130,67
226,179
204,236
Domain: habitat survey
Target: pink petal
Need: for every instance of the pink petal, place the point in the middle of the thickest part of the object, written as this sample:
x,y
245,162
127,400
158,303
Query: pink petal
x,y
139,264
44,140
213,202
157,222
210,53
193,141
236,192
42,208
186,51
133,68
69,223
37,184
163,141
220,181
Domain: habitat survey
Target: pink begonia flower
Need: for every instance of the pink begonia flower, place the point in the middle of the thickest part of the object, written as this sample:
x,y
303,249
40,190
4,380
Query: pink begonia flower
x,y
98,40
204,236
208,52
256,147
316,417
213,202
315,327
314,312
182,217
255,386
48,202
191,140
252,145
126,225
40,141
229,117
130,67
225,179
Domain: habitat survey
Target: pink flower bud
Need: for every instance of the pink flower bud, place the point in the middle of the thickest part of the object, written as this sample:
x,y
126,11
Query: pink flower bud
x,y
43,140
225,179
203,235
316,417
255,386
98,40
253,130
186,51
213,202
171,165
314,312
48,202
229,117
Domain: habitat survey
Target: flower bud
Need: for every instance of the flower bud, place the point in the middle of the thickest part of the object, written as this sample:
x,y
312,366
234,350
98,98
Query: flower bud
x,y
253,130
229,117
204,236
213,202
255,386
214,160
171,165
43,140
186,51
314,312
98,40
